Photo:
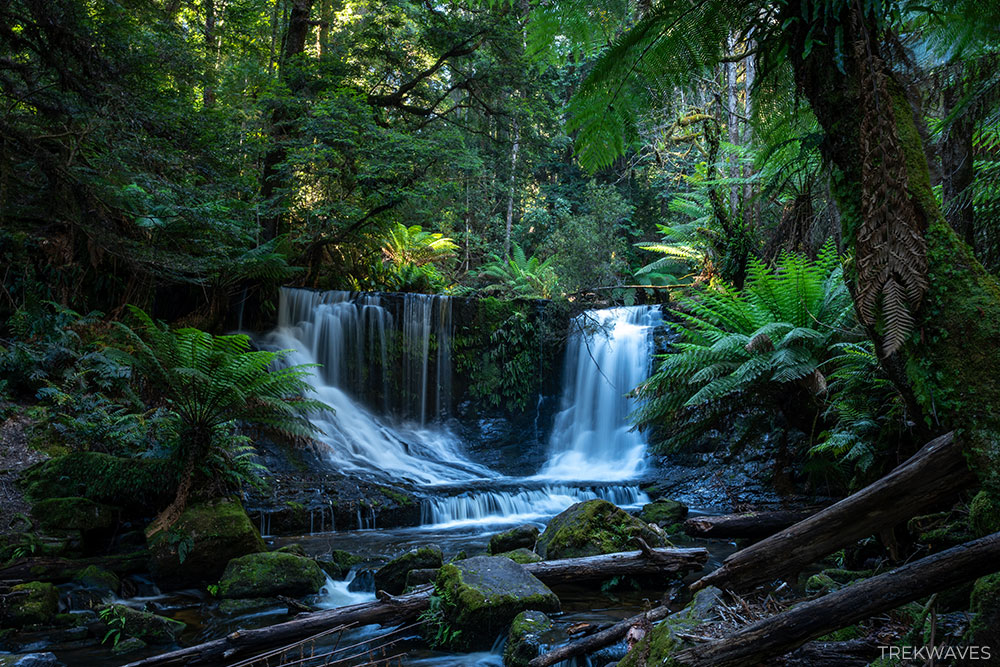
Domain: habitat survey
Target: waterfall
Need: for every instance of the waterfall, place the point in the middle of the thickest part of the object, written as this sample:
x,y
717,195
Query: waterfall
x,y
609,354
352,336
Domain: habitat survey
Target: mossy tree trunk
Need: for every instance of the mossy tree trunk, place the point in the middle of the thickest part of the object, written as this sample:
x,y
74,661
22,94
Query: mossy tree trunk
x,y
948,362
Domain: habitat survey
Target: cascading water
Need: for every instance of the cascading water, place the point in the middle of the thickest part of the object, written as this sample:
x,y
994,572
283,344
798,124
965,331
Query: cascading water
x,y
609,355
349,335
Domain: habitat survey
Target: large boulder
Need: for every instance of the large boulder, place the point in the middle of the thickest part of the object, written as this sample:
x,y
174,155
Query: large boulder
x,y
267,574
591,528
664,512
150,628
522,556
73,513
525,638
197,548
480,596
32,603
391,577
521,537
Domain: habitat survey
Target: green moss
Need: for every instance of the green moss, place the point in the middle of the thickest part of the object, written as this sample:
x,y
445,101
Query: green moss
x,y
591,528
295,549
985,605
984,514
521,556
143,625
391,577
128,646
138,485
95,577
265,574
843,634
80,514
523,640
397,497
515,538
659,644
34,603
664,512
339,564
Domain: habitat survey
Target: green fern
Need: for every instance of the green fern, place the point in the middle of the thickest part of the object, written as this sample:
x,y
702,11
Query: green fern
x,y
521,276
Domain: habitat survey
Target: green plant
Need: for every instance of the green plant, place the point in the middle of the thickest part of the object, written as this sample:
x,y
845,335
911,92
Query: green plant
x,y
521,276
769,341
437,630
114,618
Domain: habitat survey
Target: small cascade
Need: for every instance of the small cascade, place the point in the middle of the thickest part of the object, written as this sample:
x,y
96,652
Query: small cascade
x,y
351,336
503,507
340,593
609,354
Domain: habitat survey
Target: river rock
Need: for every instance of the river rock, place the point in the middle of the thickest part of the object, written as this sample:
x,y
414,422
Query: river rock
x,y
665,638
98,579
391,577
34,603
31,660
664,512
515,538
268,574
127,646
339,564
521,556
591,528
199,546
482,594
524,638
150,628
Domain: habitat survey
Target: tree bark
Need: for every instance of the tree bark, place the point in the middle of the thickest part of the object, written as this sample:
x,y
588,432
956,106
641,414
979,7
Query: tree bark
x,y
511,189
790,629
933,474
746,525
625,563
208,95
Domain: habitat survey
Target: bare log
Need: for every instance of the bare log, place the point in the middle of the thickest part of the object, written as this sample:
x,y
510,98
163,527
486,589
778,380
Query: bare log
x,y
626,563
790,629
746,525
933,474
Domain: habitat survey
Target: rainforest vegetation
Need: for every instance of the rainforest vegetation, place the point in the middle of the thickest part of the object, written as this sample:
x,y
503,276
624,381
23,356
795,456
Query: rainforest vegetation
x,y
807,192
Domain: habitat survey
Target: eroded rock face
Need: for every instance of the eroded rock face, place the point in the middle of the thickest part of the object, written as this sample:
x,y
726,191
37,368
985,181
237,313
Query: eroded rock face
x,y
391,577
268,574
592,528
524,638
521,537
210,535
482,595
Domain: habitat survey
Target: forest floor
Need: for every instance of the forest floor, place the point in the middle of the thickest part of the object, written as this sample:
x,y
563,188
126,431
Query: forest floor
x,y
15,456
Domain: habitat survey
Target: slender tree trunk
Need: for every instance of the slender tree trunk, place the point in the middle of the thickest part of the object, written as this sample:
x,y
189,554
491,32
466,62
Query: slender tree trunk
x,y
208,95
511,188
733,125
957,167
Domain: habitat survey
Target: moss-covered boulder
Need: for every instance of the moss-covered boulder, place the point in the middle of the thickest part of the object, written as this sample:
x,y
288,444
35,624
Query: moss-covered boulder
x,y
420,577
524,638
391,577
266,574
985,606
665,638
32,603
522,556
74,513
239,607
98,579
199,546
128,646
984,514
664,512
592,528
482,595
150,628
339,564
521,537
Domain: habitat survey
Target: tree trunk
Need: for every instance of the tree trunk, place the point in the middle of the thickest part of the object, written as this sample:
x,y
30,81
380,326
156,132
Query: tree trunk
x,y
790,629
208,95
511,189
957,171
936,472
747,525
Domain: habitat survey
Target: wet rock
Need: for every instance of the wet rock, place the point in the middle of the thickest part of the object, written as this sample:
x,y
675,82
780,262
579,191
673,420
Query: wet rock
x,y
32,603
521,556
98,579
210,535
363,582
127,646
391,577
420,577
31,660
664,512
295,549
665,638
481,595
245,606
515,538
267,574
80,514
150,628
592,528
339,564
524,638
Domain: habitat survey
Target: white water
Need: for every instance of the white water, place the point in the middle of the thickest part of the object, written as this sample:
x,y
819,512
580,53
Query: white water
x,y
337,594
348,337
609,354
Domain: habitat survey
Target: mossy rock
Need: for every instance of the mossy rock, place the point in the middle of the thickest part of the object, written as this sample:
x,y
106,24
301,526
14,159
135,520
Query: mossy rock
x,y
150,628
521,537
522,556
31,660
339,565
591,528
984,514
295,549
268,574
74,513
985,605
832,579
244,606
524,638
391,577
33,603
664,639
483,594
210,535
128,646
664,512
98,579
140,486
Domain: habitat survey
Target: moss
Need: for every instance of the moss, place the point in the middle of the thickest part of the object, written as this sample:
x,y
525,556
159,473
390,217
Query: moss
x,y
985,606
143,625
265,574
128,646
515,538
295,549
339,564
137,485
591,528
984,514
820,583
35,603
397,497
521,556
391,577
77,513
660,643
523,639
844,634
664,512
95,577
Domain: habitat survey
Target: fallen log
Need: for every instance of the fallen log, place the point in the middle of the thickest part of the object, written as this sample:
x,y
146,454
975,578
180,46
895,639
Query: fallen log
x,y
751,525
790,629
933,474
847,653
389,609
